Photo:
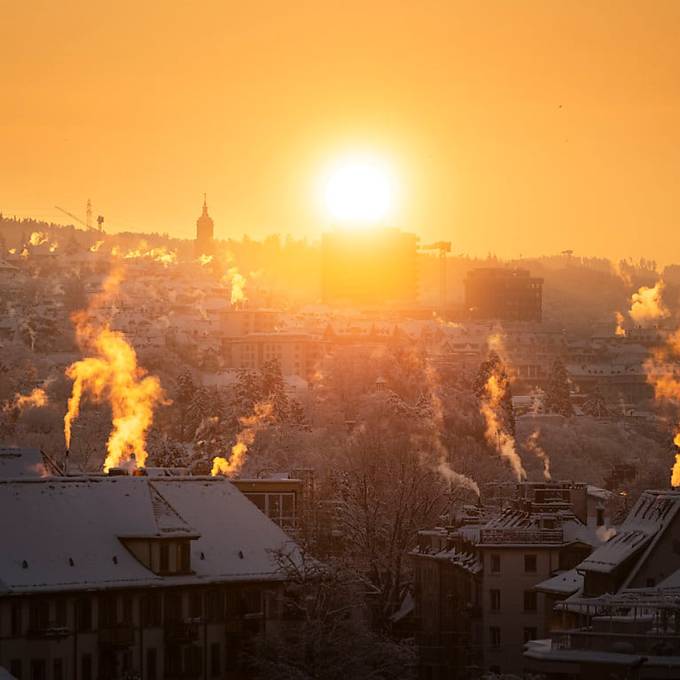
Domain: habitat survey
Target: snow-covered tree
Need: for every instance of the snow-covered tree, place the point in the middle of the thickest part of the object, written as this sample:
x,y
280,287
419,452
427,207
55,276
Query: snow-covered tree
x,y
557,398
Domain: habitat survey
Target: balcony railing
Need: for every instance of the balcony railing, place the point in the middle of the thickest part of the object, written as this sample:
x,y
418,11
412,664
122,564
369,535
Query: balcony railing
x,y
509,536
650,643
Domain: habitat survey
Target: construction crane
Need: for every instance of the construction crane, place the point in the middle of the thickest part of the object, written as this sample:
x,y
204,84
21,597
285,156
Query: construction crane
x,y
443,248
88,217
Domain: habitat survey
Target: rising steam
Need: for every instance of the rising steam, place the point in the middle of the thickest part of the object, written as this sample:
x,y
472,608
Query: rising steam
x,y
534,447
36,399
238,286
111,375
245,438
647,306
496,433
443,466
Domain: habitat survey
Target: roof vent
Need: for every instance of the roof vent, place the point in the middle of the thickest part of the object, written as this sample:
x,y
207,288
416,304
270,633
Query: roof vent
x,y
70,561
202,556
240,554
115,560
24,564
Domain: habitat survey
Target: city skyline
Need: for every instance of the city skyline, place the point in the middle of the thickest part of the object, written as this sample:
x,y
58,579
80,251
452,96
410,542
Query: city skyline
x,y
548,127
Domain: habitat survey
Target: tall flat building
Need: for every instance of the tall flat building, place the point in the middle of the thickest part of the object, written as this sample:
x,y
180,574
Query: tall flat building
x,y
504,294
372,267
204,231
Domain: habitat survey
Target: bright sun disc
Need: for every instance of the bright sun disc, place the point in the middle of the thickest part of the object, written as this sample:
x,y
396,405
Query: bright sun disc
x,y
359,190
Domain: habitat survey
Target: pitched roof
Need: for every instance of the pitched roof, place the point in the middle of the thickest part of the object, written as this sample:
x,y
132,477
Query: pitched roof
x,y
646,522
63,533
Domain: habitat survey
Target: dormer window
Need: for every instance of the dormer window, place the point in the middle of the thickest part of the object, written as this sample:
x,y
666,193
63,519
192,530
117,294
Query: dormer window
x,y
163,555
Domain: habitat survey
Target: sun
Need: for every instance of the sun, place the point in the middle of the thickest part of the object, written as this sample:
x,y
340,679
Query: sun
x,y
359,190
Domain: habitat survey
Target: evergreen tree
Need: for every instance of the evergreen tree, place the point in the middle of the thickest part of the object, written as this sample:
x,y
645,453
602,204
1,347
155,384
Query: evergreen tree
x,y
595,405
557,391
184,394
297,416
274,389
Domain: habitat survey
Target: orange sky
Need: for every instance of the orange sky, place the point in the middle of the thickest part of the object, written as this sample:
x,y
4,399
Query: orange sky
x,y
517,126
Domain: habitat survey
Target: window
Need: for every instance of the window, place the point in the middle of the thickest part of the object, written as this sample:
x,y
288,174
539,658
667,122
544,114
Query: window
x,y
151,607
215,659
195,605
127,609
38,669
151,671
184,557
84,612
39,614
530,634
495,636
214,606
530,601
165,557
495,564
60,612
173,607
495,599
17,624
530,564
58,669
15,669
86,667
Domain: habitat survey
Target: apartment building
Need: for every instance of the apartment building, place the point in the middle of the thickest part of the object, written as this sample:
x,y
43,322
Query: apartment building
x,y
475,580
113,577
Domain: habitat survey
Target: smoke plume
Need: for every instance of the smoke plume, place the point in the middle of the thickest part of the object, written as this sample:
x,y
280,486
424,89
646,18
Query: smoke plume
x,y
496,433
111,375
647,306
534,447
238,286
36,399
244,439
443,466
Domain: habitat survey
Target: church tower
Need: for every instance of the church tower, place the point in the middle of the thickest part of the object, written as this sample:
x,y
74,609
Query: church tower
x,y
204,232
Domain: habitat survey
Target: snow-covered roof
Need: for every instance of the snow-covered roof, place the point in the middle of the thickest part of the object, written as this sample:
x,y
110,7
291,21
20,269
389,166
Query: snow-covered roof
x,y
563,583
18,463
64,533
647,520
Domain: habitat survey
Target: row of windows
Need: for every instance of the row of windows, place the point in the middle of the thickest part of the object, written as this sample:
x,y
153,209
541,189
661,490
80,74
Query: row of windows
x,y
530,633
187,661
154,609
530,600
530,564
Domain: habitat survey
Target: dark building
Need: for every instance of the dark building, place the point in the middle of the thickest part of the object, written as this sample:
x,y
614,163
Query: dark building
x,y
204,232
372,267
505,294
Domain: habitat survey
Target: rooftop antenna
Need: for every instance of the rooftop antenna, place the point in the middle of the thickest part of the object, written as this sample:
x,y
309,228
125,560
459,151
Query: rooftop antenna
x,y
88,214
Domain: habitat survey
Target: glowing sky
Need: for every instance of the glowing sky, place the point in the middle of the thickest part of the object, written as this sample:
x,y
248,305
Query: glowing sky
x,y
516,126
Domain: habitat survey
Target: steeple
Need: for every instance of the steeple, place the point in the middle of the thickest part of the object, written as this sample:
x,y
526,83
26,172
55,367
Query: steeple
x,y
204,231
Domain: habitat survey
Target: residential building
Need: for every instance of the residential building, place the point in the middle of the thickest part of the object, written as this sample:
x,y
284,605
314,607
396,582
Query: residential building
x,y
491,559
118,576
621,614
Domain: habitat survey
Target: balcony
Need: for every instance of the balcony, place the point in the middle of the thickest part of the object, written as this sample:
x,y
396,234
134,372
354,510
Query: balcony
x,y
513,536
119,636
650,643
48,631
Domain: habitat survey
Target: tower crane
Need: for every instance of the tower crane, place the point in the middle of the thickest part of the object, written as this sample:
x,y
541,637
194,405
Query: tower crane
x,y
443,248
88,220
